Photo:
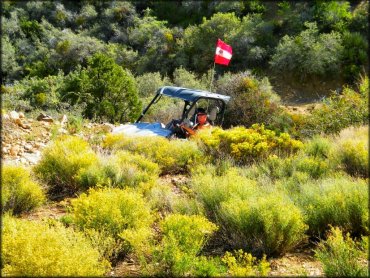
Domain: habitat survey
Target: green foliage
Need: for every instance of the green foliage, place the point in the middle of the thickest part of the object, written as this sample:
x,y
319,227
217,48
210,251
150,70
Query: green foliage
x,y
111,210
187,79
242,264
246,145
308,54
183,238
62,161
110,91
149,83
354,156
354,55
332,15
19,192
270,224
252,101
318,146
38,249
172,156
340,201
120,170
341,256
212,189
339,111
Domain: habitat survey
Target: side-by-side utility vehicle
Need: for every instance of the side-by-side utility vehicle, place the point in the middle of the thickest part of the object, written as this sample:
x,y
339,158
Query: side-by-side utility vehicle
x,y
199,110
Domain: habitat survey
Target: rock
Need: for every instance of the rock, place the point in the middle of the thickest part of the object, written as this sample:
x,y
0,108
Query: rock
x,y
6,117
14,150
18,122
44,118
23,160
21,115
14,115
26,126
37,145
5,150
108,127
63,120
28,147
62,131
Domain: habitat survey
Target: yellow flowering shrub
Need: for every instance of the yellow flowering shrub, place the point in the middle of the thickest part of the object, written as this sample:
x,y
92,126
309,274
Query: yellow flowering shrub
x,y
172,156
37,249
242,264
62,161
19,192
245,145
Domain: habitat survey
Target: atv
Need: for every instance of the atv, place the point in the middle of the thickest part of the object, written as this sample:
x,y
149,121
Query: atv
x,y
200,109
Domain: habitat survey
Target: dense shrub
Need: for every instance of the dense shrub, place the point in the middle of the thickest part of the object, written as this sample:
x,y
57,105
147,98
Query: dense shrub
x,y
351,151
212,189
112,209
308,54
252,101
38,249
269,224
341,202
183,239
62,161
339,111
246,145
108,91
121,214
341,256
318,146
172,156
119,170
19,192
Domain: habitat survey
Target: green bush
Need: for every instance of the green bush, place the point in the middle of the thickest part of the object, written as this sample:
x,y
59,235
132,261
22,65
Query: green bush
x,y
112,209
350,108
212,189
120,170
121,214
309,54
269,224
19,192
341,256
172,156
246,145
183,238
252,101
38,249
353,155
340,201
315,167
318,147
62,161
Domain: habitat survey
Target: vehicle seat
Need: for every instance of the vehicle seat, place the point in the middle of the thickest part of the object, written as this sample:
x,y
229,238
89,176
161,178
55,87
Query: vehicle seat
x,y
213,114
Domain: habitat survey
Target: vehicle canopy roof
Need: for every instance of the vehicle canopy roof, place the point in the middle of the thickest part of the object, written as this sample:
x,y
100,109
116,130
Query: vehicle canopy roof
x,y
190,94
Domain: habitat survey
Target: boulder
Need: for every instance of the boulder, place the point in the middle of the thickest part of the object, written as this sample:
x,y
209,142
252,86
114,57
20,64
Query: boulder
x,y
14,115
44,118
63,120
108,127
21,115
14,150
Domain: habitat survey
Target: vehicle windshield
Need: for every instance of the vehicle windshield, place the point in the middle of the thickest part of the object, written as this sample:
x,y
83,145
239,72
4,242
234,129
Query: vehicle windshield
x,y
163,111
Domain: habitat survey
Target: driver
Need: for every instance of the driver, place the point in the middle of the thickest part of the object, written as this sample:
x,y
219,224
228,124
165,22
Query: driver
x,y
201,121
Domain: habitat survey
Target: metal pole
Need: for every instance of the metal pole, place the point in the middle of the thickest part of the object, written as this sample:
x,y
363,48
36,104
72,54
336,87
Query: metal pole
x,y
213,73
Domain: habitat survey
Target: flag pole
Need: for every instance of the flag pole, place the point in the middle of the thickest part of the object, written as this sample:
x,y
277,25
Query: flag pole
x,y
213,73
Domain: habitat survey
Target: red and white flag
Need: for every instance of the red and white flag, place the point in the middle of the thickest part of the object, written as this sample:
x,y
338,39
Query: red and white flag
x,y
223,54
